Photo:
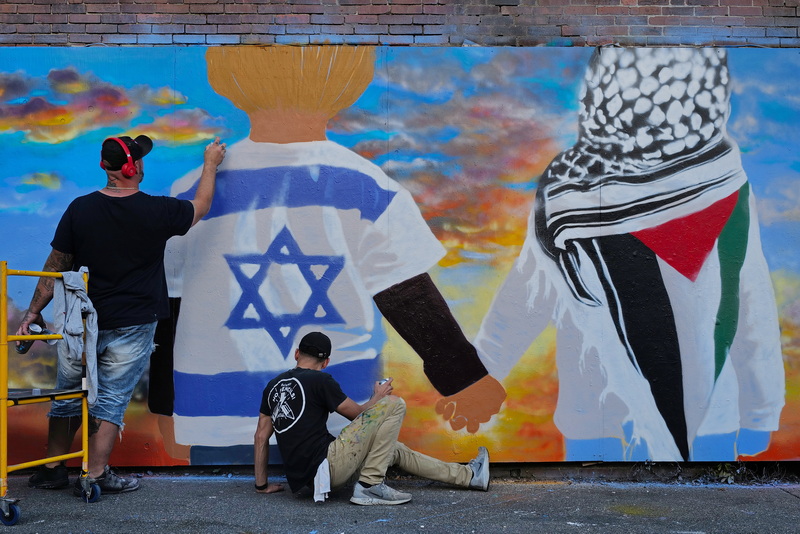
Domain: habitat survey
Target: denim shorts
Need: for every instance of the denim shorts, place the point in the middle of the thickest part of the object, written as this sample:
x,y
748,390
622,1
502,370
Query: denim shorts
x,y
122,357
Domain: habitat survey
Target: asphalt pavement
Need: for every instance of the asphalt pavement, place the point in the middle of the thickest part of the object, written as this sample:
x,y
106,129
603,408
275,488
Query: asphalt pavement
x,y
223,501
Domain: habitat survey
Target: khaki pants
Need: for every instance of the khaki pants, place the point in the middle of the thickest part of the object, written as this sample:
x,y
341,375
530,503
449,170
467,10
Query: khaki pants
x,y
368,446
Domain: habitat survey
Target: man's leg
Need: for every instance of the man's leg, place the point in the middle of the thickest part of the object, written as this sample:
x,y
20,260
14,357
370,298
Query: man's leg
x,y
418,464
366,446
60,434
122,356
63,421
102,435
101,443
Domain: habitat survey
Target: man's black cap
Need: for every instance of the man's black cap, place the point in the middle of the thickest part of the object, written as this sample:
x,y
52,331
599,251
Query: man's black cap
x,y
113,153
316,344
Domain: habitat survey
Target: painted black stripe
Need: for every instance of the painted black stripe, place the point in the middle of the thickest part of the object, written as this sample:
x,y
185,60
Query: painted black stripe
x,y
608,215
645,320
557,186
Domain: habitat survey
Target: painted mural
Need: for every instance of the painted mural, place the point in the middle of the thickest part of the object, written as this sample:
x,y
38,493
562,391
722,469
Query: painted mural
x,y
563,254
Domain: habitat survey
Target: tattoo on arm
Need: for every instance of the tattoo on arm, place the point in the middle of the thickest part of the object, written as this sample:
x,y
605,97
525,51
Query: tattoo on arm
x,y
56,262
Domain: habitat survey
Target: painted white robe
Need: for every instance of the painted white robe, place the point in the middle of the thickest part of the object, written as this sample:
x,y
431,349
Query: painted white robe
x,y
601,395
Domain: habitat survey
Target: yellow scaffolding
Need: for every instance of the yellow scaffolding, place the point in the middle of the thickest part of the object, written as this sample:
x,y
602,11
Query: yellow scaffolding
x,y
9,397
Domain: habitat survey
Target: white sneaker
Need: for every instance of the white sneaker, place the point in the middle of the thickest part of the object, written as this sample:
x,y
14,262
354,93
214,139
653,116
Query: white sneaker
x,y
378,494
480,470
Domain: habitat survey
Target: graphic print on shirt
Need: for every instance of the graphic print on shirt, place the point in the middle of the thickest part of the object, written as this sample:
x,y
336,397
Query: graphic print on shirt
x,y
317,273
288,401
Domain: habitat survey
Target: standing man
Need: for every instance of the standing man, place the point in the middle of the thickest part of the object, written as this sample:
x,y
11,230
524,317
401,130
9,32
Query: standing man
x,y
296,404
119,233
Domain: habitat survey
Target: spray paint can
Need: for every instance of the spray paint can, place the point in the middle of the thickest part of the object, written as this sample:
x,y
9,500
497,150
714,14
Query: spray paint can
x,y
36,330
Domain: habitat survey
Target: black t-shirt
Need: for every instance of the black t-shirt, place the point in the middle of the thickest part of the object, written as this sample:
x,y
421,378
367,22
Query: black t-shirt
x,y
121,241
299,402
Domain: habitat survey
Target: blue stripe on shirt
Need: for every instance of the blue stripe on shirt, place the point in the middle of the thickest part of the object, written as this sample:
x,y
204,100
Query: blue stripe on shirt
x,y
293,187
239,393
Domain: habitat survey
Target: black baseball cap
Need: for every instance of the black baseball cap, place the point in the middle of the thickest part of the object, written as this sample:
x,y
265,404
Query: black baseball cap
x,y
113,153
316,344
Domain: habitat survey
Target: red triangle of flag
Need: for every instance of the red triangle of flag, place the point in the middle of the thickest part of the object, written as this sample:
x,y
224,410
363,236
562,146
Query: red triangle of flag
x,y
685,243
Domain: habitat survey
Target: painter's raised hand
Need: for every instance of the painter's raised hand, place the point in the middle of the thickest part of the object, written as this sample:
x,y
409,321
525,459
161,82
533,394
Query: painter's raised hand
x,y
215,153
382,388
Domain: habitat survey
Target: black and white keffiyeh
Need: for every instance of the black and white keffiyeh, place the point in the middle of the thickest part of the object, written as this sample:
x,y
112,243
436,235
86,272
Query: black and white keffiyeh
x,y
652,147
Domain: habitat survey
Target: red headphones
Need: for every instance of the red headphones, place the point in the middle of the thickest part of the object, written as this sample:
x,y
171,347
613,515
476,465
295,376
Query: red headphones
x,y
128,169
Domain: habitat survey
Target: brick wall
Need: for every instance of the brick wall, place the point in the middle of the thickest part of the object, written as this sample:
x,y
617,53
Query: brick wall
x,y
771,23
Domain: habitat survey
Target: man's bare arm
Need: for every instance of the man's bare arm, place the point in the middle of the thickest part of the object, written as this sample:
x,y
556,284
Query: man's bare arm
x,y
56,262
264,432
351,409
213,156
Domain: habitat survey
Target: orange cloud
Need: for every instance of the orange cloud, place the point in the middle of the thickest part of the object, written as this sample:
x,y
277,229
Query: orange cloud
x,y
78,103
183,126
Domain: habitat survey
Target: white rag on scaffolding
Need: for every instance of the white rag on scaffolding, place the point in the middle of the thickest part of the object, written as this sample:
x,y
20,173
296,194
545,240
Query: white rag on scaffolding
x,y
71,306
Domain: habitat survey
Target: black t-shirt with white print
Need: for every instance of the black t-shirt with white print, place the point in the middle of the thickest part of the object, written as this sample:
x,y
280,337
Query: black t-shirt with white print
x,y
299,402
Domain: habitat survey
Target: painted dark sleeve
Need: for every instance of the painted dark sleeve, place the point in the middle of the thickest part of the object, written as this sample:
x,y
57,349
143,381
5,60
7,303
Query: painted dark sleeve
x,y
419,313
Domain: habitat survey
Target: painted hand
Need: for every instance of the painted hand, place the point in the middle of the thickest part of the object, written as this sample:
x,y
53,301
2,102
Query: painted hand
x,y
473,405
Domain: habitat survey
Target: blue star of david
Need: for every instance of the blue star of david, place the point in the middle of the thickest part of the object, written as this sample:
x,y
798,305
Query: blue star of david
x,y
318,309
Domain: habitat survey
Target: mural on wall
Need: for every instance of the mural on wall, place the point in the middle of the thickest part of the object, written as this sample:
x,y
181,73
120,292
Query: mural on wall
x,y
555,252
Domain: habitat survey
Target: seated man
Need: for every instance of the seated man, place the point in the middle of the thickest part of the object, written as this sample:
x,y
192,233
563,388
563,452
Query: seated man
x,y
296,404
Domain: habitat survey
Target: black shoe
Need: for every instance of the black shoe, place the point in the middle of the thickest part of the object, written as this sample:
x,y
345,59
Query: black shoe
x,y
110,483
49,477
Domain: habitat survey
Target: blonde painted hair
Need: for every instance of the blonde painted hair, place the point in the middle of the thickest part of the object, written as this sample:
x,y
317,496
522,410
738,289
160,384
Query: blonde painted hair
x,y
317,79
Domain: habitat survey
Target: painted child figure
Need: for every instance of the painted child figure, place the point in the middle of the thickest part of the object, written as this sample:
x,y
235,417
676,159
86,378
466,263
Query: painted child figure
x,y
643,247
304,235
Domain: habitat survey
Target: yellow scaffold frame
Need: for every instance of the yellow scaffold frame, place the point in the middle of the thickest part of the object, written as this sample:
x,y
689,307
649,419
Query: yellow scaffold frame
x,y
9,511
